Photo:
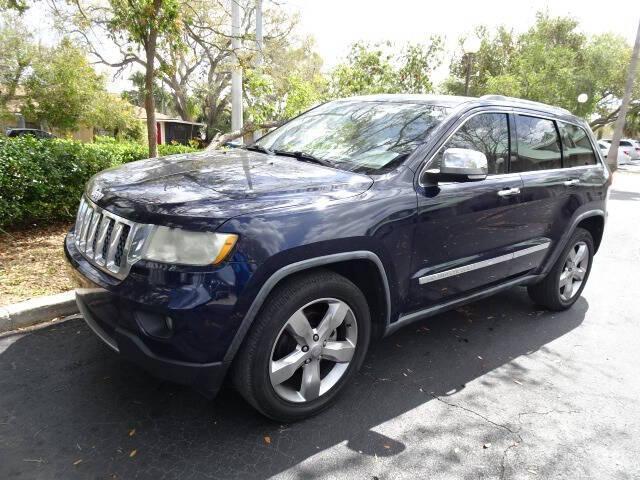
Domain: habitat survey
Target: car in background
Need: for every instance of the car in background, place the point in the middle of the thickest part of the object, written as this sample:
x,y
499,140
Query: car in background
x,y
629,146
34,132
623,156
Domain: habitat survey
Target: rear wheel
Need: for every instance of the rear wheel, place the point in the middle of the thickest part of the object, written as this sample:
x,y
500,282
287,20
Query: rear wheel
x,y
562,287
307,342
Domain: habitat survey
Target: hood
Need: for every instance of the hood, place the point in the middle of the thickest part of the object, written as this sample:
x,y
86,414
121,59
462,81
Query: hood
x,y
203,190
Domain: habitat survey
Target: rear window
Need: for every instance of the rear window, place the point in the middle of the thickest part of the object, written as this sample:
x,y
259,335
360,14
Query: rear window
x,y
576,146
624,143
538,145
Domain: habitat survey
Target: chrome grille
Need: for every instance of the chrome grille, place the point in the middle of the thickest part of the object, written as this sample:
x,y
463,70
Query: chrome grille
x,y
106,239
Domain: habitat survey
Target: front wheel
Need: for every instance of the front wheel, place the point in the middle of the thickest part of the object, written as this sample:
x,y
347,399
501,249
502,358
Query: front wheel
x,y
562,287
307,342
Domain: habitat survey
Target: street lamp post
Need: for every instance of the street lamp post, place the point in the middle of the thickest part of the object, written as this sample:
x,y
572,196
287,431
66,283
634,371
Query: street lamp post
x,y
470,46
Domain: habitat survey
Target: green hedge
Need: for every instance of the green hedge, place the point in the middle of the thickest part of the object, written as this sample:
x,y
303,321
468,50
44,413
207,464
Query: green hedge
x,y
42,180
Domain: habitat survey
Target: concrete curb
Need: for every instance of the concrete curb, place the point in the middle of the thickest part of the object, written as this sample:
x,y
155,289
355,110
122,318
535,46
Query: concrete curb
x,y
36,310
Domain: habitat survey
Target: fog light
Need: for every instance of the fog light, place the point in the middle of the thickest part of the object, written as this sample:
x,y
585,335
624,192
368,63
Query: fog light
x,y
154,324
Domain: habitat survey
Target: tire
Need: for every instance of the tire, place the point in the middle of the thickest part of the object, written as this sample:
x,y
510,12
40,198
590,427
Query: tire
x,y
549,292
280,332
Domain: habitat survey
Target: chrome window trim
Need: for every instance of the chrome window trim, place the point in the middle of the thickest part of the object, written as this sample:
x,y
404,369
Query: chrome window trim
x,y
504,110
594,146
515,110
482,264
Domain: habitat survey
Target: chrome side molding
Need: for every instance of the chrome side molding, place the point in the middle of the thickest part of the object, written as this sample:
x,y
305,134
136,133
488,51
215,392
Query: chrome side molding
x,y
482,264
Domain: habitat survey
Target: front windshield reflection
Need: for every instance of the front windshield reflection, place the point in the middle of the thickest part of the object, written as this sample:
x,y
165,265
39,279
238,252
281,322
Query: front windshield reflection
x,y
358,135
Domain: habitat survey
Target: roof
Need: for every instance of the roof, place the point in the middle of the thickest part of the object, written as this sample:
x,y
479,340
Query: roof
x,y
454,101
141,114
449,100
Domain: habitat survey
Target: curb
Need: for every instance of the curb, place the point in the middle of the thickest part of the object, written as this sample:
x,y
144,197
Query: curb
x,y
36,310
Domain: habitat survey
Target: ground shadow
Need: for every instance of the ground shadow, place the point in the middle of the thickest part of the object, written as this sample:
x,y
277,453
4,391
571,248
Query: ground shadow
x,y
65,397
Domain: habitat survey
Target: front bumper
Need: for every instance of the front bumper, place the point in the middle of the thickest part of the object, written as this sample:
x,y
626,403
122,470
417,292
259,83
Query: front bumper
x,y
197,308
203,377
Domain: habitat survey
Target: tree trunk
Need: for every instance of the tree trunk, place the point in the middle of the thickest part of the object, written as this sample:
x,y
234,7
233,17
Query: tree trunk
x,y
612,156
149,100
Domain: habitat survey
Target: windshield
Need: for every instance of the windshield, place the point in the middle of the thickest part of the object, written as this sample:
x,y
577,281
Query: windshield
x,y
357,135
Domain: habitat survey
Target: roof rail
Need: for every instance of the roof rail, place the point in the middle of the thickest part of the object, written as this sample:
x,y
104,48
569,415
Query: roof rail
x,y
524,102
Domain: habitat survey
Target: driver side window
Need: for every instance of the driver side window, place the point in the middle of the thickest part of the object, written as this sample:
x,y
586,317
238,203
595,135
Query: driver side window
x,y
487,133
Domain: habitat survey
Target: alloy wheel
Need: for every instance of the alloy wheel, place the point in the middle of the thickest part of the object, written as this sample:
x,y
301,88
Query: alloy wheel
x,y
574,270
313,350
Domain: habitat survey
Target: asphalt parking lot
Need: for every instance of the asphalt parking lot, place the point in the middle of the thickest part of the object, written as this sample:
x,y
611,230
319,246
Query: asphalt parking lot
x,y
497,389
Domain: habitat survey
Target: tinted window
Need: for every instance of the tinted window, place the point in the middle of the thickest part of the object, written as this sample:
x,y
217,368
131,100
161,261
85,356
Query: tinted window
x,y
624,143
538,145
487,133
576,146
364,136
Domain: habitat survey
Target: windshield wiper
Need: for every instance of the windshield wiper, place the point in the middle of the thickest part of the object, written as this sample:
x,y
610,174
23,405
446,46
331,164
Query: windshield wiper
x,y
304,157
258,148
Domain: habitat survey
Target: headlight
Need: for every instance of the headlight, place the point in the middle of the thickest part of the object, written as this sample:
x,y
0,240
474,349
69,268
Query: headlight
x,y
173,245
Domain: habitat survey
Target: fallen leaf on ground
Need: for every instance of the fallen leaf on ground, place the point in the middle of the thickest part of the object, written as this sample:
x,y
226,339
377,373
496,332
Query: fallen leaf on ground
x,y
132,432
133,453
267,440
516,381
77,462
387,446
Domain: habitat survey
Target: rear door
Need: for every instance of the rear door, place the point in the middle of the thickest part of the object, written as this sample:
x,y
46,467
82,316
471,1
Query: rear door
x,y
546,185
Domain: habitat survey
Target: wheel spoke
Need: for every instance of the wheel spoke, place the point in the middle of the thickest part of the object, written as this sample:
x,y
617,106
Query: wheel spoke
x,y
310,388
581,254
568,289
334,317
298,326
283,369
339,352
565,278
579,273
572,255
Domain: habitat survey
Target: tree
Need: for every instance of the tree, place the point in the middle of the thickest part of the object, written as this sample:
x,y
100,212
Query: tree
x,y
144,22
61,88
552,62
135,28
626,98
17,54
377,68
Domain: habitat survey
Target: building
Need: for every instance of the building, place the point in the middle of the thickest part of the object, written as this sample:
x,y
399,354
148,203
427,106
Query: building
x,y
173,129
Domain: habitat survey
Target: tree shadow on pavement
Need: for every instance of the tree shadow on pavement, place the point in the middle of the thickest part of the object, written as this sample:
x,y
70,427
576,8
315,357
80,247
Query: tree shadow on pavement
x,y
65,398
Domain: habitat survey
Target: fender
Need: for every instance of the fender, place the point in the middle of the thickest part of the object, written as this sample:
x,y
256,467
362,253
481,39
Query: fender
x,y
296,267
565,238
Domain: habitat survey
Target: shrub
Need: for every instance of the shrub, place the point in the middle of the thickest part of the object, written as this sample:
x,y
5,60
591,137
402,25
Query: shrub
x,y
42,180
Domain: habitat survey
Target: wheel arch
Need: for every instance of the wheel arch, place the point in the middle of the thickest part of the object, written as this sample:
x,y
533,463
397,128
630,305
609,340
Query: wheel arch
x,y
591,219
342,263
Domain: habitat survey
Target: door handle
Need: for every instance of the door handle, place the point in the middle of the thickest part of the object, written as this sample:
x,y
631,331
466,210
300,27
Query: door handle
x,y
568,183
508,192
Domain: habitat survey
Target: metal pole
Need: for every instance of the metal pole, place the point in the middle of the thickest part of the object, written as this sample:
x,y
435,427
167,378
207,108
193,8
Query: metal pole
x,y
612,156
236,74
259,57
468,74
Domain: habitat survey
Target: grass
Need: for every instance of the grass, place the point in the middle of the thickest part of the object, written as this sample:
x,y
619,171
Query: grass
x,y
32,263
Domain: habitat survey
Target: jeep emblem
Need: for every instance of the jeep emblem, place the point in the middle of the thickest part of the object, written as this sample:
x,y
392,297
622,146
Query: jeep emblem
x,y
96,194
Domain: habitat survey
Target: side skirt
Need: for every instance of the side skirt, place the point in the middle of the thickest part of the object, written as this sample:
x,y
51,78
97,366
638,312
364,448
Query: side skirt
x,y
442,307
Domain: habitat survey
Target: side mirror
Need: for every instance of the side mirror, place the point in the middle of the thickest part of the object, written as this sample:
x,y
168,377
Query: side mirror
x,y
461,165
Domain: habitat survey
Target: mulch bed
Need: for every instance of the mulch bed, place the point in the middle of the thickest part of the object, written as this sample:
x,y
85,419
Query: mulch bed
x,y
32,262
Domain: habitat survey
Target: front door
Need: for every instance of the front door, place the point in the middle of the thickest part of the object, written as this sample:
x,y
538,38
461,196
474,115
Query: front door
x,y
466,232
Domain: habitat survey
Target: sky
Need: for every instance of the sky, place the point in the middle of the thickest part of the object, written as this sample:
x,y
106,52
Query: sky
x,y
336,24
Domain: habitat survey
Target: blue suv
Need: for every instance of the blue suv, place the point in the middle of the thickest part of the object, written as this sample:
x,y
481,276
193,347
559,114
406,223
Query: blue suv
x,y
277,263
